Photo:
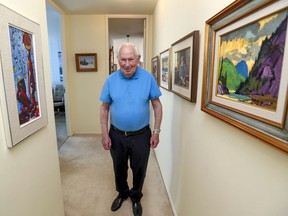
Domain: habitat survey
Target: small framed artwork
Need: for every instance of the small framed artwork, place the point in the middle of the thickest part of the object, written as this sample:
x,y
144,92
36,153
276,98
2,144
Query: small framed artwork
x,y
115,68
86,62
22,76
111,60
184,63
246,68
60,67
155,68
165,81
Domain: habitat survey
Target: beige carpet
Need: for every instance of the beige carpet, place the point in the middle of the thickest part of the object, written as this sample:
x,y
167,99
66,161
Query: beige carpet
x,y
88,181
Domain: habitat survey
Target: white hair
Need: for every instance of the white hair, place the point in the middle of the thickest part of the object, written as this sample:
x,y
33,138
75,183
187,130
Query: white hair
x,y
137,53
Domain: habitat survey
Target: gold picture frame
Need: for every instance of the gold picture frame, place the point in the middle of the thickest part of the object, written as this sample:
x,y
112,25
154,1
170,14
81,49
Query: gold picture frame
x,y
246,86
86,62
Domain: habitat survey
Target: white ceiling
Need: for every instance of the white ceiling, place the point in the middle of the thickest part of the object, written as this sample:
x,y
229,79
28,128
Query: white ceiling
x,y
106,6
118,27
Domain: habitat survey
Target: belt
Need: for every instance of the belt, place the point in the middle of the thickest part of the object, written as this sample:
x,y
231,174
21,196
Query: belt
x,y
130,133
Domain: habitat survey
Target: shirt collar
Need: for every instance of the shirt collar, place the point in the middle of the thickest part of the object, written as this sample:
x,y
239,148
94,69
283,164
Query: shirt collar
x,y
134,76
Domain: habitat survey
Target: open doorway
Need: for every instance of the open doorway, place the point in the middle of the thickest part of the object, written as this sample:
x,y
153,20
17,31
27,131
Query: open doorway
x,y
57,75
123,29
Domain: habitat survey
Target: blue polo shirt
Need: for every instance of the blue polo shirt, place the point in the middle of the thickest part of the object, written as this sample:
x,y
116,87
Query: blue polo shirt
x,y
129,98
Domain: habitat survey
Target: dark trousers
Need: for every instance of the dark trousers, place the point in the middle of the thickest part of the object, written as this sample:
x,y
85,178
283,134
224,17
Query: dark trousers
x,y
135,148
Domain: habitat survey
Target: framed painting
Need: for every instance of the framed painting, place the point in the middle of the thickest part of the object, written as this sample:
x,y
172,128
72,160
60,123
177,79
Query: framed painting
x,y
60,67
185,62
245,74
165,81
155,68
86,62
23,98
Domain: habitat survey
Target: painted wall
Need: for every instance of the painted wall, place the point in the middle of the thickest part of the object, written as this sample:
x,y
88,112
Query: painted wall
x,y
30,183
209,167
85,34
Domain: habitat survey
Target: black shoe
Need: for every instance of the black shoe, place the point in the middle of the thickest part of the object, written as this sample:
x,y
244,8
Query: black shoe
x,y
137,209
117,203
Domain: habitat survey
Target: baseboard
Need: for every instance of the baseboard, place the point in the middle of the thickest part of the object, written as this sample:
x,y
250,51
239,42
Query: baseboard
x,y
168,194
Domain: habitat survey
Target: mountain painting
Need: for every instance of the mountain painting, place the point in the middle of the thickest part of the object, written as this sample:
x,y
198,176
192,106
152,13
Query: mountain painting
x,y
250,62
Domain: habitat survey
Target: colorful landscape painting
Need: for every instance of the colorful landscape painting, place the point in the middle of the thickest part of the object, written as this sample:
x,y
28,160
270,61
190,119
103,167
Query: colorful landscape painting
x,y
165,70
250,62
86,62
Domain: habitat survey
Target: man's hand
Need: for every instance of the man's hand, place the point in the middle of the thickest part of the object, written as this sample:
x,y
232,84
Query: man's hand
x,y
104,110
106,142
154,140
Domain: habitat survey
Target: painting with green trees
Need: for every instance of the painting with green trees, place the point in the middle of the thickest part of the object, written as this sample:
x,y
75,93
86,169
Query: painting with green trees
x,y
250,62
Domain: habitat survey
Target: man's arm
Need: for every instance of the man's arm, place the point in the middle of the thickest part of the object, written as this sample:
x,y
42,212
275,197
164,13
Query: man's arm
x,y
104,113
157,108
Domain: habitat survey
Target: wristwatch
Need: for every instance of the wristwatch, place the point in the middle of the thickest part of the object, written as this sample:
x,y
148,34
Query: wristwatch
x,y
156,130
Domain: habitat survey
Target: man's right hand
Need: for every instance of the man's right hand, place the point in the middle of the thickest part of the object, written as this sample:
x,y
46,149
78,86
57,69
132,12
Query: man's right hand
x,y
106,142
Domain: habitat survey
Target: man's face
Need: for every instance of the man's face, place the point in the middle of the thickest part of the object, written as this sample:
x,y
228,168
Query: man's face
x,y
128,61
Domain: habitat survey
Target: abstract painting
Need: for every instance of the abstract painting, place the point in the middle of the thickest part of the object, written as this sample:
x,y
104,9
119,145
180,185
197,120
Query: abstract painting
x,y
26,86
22,89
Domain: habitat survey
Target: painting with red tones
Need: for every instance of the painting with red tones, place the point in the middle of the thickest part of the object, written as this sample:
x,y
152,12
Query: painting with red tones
x,y
22,84
22,50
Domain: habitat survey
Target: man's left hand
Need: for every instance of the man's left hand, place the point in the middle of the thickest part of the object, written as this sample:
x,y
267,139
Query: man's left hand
x,y
154,140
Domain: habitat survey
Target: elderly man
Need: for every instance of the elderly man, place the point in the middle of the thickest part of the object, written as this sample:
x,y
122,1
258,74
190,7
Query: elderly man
x,y
126,94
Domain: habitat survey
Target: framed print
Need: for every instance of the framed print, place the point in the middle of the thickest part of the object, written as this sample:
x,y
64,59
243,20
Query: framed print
x,y
155,68
115,68
86,62
165,81
60,67
22,77
185,61
245,71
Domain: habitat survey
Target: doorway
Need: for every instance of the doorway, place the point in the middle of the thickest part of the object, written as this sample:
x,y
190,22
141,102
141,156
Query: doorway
x,y
57,73
123,29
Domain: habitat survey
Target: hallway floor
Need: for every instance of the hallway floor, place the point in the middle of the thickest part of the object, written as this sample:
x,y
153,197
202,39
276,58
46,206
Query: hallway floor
x,y
88,181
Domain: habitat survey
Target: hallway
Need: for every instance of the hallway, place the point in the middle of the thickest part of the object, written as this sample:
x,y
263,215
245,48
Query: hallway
x,y
88,181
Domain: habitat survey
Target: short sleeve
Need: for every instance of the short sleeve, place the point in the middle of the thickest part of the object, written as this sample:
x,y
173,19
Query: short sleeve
x,y
155,91
105,94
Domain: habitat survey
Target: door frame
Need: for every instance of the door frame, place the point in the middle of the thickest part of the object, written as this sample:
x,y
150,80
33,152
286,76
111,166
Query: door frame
x,y
146,39
64,66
